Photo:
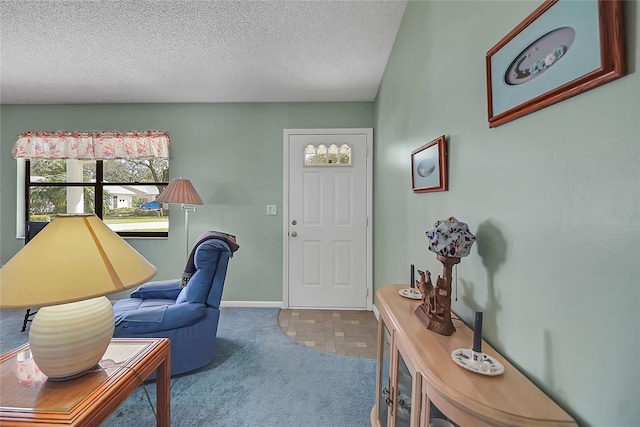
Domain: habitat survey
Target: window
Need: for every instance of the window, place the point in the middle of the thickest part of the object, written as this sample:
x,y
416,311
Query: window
x,y
117,190
320,155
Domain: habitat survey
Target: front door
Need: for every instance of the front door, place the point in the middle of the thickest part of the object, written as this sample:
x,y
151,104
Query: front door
x,y
327,218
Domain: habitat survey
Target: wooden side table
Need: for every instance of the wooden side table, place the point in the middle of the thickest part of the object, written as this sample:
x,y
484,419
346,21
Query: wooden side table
x,y
417,380
28,398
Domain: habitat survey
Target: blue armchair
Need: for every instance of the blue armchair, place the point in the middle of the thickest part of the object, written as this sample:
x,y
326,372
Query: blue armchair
x,y
188,316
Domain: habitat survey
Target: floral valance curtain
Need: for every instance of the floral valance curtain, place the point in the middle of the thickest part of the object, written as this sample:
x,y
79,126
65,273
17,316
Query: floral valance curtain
x,y
91,145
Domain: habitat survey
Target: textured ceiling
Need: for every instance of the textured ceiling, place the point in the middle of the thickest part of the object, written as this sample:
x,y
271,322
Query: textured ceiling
x,y
98,51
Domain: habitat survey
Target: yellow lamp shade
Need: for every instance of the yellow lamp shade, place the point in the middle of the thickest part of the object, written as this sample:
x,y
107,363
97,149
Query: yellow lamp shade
x,y
74,258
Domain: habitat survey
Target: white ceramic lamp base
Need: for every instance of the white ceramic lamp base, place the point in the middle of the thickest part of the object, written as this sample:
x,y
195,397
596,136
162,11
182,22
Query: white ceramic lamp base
x,y
66,340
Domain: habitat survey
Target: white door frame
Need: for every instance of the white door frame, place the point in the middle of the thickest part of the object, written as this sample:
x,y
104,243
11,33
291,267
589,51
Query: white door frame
x,y
368,132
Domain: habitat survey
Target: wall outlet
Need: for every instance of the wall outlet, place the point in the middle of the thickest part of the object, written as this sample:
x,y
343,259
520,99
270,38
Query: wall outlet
x,y
272,210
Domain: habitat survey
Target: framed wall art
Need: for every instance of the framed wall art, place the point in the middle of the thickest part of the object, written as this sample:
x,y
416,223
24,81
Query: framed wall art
x,y
563,48
429,167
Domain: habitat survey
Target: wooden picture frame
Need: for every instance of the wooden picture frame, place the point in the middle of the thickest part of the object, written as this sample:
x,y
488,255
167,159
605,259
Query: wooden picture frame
x,y
429,167
550,57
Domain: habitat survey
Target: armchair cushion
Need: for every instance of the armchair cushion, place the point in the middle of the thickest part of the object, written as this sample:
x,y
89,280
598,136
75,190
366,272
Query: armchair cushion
x,y
198,288
209,257
191,267
161,315
139,310
141,314
182,296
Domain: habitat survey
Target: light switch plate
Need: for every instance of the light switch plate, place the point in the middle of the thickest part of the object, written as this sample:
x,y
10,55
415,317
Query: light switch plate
x,y
272,210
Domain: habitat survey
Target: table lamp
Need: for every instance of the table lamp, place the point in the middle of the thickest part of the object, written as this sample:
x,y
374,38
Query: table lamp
x,y
67,269
181,191
450,239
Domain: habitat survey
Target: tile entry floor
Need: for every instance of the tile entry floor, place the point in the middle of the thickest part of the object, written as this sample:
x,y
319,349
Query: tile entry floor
x,y
347,332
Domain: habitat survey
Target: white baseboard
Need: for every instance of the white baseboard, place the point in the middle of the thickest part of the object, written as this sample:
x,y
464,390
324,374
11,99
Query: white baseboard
x,y
271,304
262,304
253,304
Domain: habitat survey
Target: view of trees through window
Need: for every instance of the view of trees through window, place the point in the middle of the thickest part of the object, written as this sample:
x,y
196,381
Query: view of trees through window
x,y
121,192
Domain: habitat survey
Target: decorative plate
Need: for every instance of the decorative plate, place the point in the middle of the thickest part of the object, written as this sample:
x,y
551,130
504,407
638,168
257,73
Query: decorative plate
x,y
485,365
412,293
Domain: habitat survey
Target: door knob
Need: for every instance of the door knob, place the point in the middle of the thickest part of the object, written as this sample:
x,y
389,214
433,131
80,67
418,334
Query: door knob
x,y
294,234
294,222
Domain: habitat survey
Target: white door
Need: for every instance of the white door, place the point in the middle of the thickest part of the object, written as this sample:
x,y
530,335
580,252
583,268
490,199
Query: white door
x,y
327,217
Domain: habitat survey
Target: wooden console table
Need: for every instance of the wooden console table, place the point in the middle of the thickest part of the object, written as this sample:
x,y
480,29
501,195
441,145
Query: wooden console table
x,y
28,398
417,381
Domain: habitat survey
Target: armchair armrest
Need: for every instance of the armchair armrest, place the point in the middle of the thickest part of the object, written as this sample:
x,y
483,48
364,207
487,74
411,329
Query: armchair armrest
x,y
159,289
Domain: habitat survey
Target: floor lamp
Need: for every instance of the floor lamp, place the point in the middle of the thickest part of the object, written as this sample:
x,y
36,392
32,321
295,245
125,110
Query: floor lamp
x,y
182,191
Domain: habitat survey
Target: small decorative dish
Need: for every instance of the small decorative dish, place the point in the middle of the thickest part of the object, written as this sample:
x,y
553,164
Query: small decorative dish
x,y
412,293
480,363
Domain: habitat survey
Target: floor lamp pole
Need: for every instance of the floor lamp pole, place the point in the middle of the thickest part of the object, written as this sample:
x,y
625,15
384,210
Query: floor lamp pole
x,y
187,209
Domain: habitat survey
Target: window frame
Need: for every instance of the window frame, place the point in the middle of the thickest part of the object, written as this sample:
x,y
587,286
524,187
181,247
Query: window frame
x,y
98,186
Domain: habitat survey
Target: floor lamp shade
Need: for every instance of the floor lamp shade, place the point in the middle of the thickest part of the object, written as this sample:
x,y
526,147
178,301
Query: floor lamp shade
x,y
67,269
180,191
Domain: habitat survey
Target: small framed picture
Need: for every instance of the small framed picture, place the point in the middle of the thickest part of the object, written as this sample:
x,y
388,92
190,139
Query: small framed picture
x,y
429,167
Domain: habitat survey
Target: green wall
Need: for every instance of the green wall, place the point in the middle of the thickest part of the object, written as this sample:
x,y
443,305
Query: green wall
x,y
233,155
553,198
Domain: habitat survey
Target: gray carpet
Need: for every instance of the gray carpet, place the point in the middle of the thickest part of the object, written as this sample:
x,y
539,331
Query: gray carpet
x,y
259,377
